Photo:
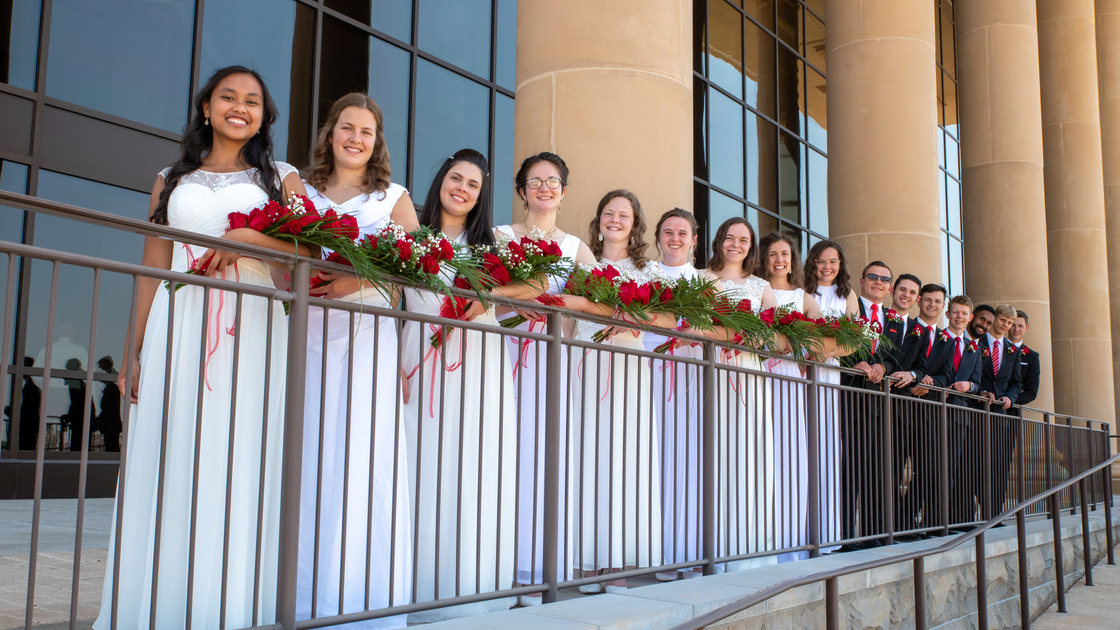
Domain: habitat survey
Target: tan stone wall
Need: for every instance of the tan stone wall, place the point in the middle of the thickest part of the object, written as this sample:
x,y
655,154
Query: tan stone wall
x,y
608,87
1108,76
882,136
1004,202
1075,214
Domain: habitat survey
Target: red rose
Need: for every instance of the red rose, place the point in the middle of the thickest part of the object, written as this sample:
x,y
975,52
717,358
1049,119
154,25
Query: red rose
x,y
490,262
644,293
461,283
346,227
258,220
767,316
516,252
446,249
550,248
791,317
743,306
501,276
404,249
429,264
238,220
666,295
628,292
335,257
274,211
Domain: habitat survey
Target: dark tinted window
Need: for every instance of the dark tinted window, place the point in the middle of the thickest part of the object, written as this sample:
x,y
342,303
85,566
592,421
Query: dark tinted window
x,y
19,42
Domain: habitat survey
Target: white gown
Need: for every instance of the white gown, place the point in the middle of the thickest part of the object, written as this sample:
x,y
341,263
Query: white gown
x,y
745,457
791,447
466,500
370,535
676,412
618,477
828,430
200,203
530,377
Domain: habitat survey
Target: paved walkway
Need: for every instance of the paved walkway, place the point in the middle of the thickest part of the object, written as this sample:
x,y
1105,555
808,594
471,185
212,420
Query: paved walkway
x,y
1094,607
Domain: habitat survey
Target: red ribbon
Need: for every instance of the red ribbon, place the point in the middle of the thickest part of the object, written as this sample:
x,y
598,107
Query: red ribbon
x,y
448,368
214,330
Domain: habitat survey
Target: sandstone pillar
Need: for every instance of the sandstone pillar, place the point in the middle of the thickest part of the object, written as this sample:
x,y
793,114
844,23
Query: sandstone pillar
x,y
1004,200
1075,212
612,95
882,134
1108,76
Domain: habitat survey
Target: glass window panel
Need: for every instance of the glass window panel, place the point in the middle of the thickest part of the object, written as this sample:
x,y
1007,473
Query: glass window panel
x,y
388,85
761,10
501,167
443,126
940,101
950,117
355,9
791,95
13,178
721,208
699,39
956,266
282,31
763,222
457,31
941,177
798,236
700,128
792,178
507,44
953,203
727,143
760,69
945,279
816,6
19,25
817,122
952,157
342,64
394,17
941,148
948,47
130,59
762,162
700,193
818,193
789,23
815,42
725,63
937,34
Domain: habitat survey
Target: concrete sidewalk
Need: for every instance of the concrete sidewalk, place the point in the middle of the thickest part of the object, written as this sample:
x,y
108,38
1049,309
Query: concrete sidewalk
x,y
1090,607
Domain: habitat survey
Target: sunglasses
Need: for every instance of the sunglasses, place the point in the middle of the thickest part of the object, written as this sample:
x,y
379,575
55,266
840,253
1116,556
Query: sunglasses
x,y
874,276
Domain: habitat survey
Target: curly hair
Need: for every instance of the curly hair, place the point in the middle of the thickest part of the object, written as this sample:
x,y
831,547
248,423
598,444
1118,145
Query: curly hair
x,y
377,169
636,247
843,282
718,259
679,213
795,275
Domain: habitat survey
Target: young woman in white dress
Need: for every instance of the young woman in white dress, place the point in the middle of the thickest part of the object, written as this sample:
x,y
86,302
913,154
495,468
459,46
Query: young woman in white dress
x,y
827,279
352,174
461,417
745,441
676,408
541,182
617,482
781,266
225,166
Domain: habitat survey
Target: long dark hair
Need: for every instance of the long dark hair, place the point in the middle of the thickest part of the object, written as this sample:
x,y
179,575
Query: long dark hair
x,y
719,259
480,222
795,275
636,243
198,138
378,170
843,282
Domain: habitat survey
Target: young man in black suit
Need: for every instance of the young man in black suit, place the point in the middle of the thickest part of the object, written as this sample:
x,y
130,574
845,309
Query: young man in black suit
x,y
1029,365
983,316
1001,384
861,436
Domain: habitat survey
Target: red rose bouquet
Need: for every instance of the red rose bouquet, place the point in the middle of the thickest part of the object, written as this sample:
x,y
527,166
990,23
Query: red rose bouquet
x,y
852,332
416,257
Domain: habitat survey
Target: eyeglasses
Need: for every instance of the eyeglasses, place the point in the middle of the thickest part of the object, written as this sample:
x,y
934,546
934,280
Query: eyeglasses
x,y
830,261
874,276
536,182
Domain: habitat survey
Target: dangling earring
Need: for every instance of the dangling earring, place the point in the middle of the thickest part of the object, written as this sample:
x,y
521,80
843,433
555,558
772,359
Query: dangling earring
x,y
559,209
207,122
690,250
600,237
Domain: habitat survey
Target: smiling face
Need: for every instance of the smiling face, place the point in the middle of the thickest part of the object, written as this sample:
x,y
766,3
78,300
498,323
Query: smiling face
x,y
1002,325
827,266
236,107
931,305
959,316
779,258
675,240
980,324
616,220
878,288
905,295
459,191
354,138
543,199
1018,330
737,244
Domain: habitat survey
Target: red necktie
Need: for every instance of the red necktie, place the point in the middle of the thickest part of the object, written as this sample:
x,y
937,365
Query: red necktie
x,y
957,356
929,348
995,359
875,320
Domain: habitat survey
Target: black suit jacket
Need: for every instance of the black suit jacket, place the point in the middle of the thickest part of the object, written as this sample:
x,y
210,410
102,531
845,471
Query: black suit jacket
x,y
970,369
1030,371
911,356
1008,382
893,330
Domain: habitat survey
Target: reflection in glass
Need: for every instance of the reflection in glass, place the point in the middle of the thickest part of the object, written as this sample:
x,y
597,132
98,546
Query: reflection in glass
x,y
388,85
815,42
792,179
948,48
956,266
725,63
393,17
791,94
19,41
763,222
762,163
950,120
13,178
818,193
952,157
816,91
342,64
356,9
789,23
457,31
282,31
760,70
945,276
501,166
142,66
941,177
506,45
816,6
727,145
940,99
953,203
699,129
721,208
761,10
444,125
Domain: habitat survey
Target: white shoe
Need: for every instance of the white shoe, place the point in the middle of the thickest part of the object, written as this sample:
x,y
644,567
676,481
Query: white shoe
x,y
666,576
616,589
591,589
692,574
527,601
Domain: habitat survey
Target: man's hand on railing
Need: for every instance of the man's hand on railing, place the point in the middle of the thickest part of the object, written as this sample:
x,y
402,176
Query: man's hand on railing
x,y
874,373
918,390
961,386
902,379
1005,401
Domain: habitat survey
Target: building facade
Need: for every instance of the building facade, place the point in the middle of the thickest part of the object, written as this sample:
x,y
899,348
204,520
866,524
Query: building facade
x,y
972,144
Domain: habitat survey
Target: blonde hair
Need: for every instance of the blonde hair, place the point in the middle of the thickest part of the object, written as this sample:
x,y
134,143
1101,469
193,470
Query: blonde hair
x,y
377,169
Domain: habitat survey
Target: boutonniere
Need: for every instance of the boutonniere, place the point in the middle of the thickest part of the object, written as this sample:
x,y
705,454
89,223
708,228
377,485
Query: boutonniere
x,y
1026,351
973,347
1011,349
987,352
893,315
918,331
944,336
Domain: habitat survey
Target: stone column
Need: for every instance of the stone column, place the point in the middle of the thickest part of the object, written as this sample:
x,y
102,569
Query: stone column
x,y
608,87
1004,200
1108,76
882,134
1075,216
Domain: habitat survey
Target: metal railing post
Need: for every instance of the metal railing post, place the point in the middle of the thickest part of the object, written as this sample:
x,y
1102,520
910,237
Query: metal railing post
x,y
1086,547
1108,496
1024,577
550,561
943,467
890,483
812,435
832,604
286,580
1055,516
986,464
981,583
920,621
708,435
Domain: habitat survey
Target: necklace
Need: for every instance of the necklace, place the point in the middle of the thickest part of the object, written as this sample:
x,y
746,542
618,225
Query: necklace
x,y
547,235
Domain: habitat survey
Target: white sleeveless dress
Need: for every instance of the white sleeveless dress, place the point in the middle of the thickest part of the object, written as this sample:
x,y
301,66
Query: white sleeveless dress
x,y
745,445
462,428
200,203
828,431
379,533
530,377
791,447
677,416
618,474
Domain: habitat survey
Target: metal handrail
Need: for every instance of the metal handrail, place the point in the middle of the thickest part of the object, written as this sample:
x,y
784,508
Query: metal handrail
x,y
832,599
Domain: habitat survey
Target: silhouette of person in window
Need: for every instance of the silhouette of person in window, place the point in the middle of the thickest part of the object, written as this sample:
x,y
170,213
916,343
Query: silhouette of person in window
x,y
29,410
75,415
109,420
